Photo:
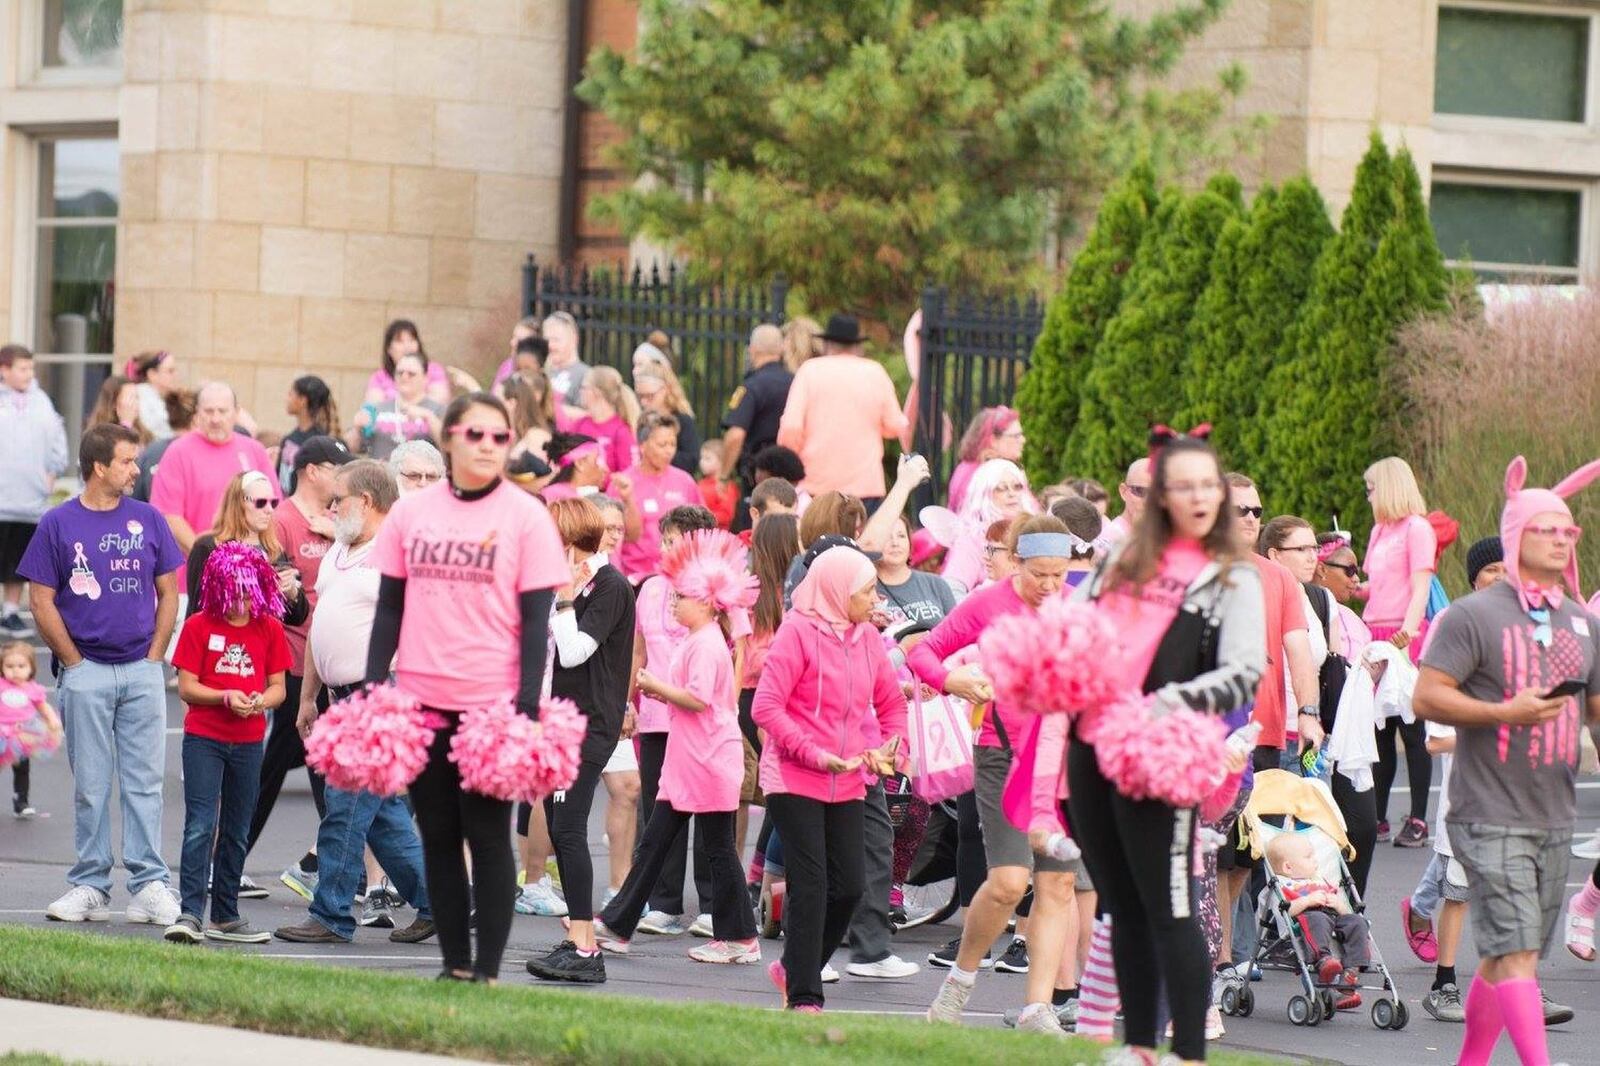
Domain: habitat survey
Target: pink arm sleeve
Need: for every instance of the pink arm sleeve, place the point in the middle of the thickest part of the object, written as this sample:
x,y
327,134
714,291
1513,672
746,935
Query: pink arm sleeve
x,y
770,708
959,629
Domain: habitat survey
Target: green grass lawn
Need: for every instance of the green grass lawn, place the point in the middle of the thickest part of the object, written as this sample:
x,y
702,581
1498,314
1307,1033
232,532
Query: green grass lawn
x,y
509,1023
30,1058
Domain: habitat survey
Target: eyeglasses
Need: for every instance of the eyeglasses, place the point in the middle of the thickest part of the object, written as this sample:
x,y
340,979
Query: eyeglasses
x,y
264,503
477,434
1015,433
1570,534
420,477
991,550
1349,570
1010,487
1194,488
1298,548
1137,491
1249,512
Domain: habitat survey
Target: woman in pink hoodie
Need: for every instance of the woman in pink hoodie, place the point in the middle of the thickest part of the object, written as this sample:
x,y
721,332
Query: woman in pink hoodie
x,y
825,675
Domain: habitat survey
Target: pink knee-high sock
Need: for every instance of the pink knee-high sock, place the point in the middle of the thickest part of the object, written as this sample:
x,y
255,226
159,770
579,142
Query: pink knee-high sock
x,y
1484,1024
1097,986
1587,901
1523,1012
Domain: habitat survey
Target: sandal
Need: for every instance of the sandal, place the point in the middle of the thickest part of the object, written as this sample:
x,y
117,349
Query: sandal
x,y
1580,934
1422,942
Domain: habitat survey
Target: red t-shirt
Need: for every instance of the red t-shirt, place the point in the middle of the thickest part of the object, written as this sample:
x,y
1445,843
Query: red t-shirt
x,y
1285,614
305,550
225,656
721,500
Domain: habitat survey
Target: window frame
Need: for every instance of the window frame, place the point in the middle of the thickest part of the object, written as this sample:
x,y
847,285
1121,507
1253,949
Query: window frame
x,y
1457,121
1588,222
31,68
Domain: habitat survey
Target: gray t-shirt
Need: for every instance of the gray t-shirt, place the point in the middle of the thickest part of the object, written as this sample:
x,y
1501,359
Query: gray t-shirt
x,y
922,598
1515,776
568,380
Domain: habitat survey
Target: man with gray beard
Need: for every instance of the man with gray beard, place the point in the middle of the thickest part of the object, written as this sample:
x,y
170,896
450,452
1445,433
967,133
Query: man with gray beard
x,y
336,656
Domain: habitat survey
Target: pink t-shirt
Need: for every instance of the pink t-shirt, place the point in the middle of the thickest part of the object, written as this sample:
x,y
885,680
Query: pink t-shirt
x,y
381,382
1142,614
464,564
959,478
704,765
21,703
617,448
662,635
1395,551
841,408
654,495
194,473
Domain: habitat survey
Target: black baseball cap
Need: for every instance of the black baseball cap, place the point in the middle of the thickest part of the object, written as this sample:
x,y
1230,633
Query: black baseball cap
x,y
834,540
321,449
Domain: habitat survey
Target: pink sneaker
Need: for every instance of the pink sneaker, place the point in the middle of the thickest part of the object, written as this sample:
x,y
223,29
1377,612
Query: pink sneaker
x,y
807,1008
779,978
1423,944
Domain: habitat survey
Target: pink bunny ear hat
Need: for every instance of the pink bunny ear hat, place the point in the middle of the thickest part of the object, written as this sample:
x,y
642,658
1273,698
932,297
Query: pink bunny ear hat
x,y
1522,504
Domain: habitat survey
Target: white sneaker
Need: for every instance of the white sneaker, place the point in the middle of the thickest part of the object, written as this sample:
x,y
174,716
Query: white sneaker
x,y
890,968
950,1002
540,898
1588,848
83,904
1214,1029
154,904
736,952
660,923
830,976
701,926
1040,1019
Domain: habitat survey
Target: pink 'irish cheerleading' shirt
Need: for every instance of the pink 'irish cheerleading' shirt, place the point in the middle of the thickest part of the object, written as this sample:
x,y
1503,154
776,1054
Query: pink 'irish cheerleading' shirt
x,y
704,764
464,564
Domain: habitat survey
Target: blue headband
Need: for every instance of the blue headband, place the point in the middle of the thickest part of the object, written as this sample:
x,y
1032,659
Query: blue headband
x,y
1048,545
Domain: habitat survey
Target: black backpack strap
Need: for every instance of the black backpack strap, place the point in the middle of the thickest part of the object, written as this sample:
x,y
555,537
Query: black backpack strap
x,y
1322,604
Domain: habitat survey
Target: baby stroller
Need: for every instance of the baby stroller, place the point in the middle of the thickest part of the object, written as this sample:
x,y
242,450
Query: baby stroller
x,y
1306,807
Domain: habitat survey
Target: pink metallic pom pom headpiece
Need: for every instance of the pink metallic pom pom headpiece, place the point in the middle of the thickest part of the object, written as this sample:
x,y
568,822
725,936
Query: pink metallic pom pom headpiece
x,y
711,565
238,574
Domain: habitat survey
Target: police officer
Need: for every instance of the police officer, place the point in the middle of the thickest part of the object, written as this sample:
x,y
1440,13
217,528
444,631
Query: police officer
x,y
751,423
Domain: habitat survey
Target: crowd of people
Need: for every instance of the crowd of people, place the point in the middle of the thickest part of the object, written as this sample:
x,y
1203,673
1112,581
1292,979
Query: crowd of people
x,y
551,536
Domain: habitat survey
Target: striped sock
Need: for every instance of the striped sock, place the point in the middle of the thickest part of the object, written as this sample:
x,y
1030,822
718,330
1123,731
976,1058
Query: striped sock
x,y
1097,988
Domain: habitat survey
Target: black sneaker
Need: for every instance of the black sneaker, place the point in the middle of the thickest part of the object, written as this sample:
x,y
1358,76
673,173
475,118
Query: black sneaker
x,y
1014,959
563,963
12,627
1413,834
945,957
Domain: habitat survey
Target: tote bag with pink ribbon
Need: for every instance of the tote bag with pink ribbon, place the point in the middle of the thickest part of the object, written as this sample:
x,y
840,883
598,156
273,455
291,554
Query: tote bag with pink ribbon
x,y
941,746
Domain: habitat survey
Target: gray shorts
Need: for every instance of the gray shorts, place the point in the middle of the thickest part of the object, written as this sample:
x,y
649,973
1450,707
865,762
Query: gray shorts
x,y
1003,843
1518,878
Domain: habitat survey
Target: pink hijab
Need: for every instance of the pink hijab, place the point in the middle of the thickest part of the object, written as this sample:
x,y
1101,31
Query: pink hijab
x,y
823,595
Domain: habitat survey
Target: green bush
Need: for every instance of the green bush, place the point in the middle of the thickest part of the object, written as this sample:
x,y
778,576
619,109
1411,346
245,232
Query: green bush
x,y
1075,322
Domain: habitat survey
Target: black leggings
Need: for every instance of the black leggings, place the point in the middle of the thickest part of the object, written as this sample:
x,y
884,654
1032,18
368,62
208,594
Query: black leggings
x,y
1140,854
1360,810
1419,766
285,752
667,894
447,816
972,863
731,916
747,721
568,821
823,853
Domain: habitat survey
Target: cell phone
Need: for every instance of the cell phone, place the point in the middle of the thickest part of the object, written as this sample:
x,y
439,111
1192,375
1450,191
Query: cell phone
x,y
1570,687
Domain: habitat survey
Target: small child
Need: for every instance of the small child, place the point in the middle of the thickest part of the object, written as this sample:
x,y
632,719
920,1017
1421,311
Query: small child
x,y
1323,914
27,721
721,498
232,657
703,769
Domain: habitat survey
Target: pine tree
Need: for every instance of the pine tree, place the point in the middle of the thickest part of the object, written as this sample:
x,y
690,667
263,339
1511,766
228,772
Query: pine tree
x,y
1256,292
1075,322
1136,379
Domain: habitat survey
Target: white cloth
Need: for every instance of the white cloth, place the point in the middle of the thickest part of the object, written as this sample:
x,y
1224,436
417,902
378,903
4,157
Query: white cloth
x,y
1441,839
341,626
1399,680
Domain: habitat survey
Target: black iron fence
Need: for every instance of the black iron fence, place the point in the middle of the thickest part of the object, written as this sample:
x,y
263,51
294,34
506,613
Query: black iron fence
x,y
617,309
974,348
974,351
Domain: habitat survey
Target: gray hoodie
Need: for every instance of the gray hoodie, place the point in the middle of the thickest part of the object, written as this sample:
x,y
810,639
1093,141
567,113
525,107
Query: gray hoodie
x,y
33,452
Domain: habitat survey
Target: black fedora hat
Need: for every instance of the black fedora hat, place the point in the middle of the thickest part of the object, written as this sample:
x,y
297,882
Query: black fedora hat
x,y
843,329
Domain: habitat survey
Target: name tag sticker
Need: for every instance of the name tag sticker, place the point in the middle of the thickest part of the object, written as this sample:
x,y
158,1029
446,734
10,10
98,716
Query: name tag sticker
x,y
1580,626
651,507
215,642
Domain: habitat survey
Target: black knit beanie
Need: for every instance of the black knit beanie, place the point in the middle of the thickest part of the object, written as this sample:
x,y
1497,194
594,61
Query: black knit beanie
x,y
1480,555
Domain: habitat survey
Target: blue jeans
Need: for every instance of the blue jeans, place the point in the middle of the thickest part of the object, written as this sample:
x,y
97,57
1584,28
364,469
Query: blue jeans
x,y
220,782
116,724
354,820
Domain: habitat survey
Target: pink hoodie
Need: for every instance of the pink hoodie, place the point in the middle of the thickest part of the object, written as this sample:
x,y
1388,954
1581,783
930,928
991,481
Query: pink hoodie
x,y
817,691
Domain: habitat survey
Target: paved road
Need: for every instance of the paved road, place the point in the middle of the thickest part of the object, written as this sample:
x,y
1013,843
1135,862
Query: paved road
x,y
35,855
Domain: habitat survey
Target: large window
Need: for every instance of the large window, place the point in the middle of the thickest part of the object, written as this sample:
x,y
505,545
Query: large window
x,y
1512,64
81,34
1515,233
75,256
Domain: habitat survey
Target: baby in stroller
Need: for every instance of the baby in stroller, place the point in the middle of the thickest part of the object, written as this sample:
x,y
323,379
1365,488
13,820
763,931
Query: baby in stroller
x,y
1335,936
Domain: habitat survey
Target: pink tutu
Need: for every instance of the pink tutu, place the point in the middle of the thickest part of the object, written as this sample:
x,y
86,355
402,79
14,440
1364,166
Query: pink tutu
x,y
506,755
376,740
1062,658
25,739
1177,759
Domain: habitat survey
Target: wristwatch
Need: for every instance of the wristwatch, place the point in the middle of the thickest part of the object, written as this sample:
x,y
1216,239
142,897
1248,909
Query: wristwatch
x,y
563,605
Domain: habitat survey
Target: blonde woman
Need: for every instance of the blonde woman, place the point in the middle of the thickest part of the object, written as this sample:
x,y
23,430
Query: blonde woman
x,y
609,413
802,340
1400,562
245,514
659,390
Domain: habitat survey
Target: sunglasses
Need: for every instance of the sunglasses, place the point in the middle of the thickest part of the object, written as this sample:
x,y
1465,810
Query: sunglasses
x,y
264,503
1349,570
1570,534
477,434
1249,512
1542,633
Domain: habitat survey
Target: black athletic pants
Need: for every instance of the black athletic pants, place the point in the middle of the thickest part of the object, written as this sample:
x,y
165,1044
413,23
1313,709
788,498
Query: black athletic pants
x,y
285,752
447,817
567,816
667,894
1419,766
823,854
1140,854
731,916
1360,810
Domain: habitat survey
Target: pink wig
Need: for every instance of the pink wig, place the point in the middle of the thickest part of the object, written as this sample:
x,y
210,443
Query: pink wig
x,y
236,575
978,508
1523,504
713,566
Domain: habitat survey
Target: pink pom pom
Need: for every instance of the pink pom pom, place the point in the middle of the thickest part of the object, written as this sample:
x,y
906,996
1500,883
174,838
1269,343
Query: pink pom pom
x,y
506,755
1064,657
1177,758
376,740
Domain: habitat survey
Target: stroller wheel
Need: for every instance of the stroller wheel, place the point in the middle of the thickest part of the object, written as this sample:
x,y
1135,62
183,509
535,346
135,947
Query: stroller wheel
x,y
1401,1015
1230,1001
1300,1011
1326,1000
1247,1001
1384,1014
